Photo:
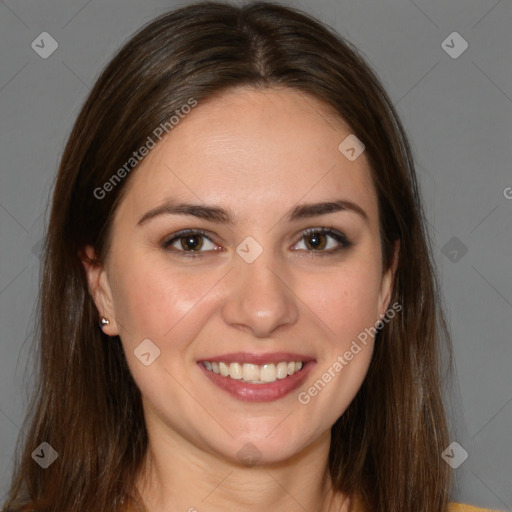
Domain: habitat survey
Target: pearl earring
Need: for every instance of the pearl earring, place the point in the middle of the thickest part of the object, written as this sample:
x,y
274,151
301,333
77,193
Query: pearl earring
x,y
104,321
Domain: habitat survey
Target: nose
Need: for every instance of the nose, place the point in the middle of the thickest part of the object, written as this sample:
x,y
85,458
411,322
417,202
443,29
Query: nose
x,y
259,298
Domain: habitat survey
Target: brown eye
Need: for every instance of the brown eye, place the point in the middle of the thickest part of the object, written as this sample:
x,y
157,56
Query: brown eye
x,y
189,242
324,241
316,241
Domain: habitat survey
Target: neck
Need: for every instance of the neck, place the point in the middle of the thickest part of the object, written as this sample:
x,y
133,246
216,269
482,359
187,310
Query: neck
x,y
179,476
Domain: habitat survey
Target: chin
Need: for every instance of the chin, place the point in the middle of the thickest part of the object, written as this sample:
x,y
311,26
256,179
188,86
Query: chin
x,y
263,449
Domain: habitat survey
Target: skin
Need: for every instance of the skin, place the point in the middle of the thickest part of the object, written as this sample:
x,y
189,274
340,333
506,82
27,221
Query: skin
x,y
258,153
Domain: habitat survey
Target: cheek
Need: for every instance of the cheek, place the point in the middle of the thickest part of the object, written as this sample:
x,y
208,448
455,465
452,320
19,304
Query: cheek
x,y
160,302
345,300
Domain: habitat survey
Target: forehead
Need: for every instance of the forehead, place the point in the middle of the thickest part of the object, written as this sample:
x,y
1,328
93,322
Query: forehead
x,y
253,149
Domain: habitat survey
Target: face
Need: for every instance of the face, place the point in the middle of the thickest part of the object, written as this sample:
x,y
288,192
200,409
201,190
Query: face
x,y
243,317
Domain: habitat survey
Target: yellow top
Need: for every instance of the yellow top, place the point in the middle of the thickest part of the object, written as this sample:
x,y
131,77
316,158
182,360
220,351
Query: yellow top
x,y
452,507
461,507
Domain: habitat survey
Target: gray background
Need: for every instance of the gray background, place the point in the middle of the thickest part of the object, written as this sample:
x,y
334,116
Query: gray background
x,y
458,114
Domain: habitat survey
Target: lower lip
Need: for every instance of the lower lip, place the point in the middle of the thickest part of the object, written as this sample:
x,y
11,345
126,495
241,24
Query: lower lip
x,y
267,392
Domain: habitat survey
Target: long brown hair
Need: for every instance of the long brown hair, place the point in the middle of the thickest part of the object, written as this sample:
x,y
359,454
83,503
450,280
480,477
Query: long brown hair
x,y
386,448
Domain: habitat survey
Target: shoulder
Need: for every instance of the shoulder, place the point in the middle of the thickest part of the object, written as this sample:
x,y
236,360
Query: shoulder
x,y
461,507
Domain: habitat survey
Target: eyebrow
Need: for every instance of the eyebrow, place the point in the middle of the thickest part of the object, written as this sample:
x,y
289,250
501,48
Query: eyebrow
x,y
221,215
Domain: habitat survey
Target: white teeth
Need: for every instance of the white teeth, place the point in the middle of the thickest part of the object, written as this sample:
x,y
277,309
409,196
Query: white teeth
x,y
250,372
235,371
268,372
282,370
256,374
223,369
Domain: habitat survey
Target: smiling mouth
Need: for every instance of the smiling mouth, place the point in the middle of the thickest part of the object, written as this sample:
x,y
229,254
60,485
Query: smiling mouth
x,y
254,373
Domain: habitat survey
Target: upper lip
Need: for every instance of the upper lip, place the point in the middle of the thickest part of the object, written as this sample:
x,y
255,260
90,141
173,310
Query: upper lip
x,y
252,358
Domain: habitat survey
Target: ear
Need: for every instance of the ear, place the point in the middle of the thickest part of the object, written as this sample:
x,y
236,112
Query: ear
x,y
388,279
99,288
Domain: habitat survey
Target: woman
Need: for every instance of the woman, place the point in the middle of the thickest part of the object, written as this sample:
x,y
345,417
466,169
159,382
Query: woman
x,y
237,208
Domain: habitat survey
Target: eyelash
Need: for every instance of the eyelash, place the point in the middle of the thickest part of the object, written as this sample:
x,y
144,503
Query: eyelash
x,y
339,237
